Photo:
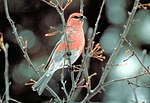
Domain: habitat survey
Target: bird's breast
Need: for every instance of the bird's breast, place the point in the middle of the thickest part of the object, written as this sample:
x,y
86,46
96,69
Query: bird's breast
x,y
76,40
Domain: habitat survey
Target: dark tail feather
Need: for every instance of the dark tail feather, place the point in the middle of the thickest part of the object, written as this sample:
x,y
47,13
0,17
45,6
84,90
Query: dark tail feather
x,y
41,84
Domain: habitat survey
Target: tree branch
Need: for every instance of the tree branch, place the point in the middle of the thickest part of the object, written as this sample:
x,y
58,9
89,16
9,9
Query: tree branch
x,y
121,41
17,37
5,49
113,56
86,58
81,6
23,48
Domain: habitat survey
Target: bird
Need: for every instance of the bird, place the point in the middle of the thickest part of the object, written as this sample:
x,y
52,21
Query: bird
x,y
69,46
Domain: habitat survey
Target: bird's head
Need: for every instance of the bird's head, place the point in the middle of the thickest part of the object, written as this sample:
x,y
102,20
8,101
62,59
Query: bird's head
x,y
76,19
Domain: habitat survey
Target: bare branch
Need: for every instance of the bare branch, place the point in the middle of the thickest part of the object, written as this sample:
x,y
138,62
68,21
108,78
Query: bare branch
x,y
81,6
18,38
64,84
113,56
121,41
6,73
5,49
138,85
14,100
137,57
23,50
122,79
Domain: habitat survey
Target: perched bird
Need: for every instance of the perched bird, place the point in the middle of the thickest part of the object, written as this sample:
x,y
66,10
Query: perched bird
x,y
58,58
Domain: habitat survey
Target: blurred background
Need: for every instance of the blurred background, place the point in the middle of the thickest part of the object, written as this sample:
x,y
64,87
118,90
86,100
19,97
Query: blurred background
x,y
33,19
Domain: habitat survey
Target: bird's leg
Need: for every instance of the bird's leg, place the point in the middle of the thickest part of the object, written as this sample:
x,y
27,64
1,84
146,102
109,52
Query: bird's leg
x,y
69,67
68,53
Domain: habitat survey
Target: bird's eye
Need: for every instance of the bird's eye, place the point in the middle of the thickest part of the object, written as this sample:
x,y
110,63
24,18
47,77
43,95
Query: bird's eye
x,y
78,17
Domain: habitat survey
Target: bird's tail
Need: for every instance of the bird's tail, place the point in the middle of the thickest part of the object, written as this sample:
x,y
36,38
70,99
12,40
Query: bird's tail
x,y
41,84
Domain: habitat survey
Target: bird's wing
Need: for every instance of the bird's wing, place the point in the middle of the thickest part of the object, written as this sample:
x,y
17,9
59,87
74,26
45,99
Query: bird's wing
x,y
52,53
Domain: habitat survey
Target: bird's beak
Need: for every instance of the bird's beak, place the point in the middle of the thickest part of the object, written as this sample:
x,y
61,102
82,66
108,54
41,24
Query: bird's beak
x,y
83,18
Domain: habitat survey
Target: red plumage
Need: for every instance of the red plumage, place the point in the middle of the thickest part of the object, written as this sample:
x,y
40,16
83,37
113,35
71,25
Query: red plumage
x,y
57,60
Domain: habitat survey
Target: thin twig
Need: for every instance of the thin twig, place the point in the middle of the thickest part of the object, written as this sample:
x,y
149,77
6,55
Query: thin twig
x,y
4,95
138,85
113,56
74,92
119,80
60,10
90,42
54,94
82,72
64,83
67,4
137,79
141,63
97,21
137,57
67,49
121,41
81,6
24,49
6,73
17,37
86,58
14,100
58,4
